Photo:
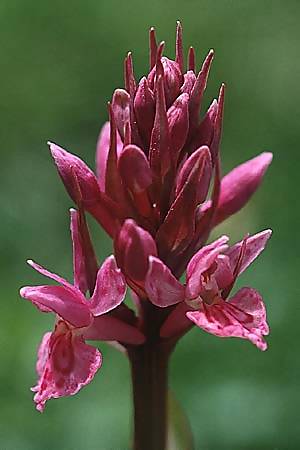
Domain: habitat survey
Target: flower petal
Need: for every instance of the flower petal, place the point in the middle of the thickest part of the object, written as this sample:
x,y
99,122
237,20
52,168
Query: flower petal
x,y
69,305
244,316
161,286
85,265
51,275
254,246
110,288
108,328
201,262
43,352
71,364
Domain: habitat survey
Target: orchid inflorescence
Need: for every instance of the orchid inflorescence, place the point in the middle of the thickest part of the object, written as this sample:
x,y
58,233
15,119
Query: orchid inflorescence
x,y
158,193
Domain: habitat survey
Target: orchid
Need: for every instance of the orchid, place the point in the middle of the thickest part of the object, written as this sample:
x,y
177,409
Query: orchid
x,y
158,192
211,275
65,362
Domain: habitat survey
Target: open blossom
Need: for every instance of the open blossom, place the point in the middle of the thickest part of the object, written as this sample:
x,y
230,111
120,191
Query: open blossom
x,y
65,362
211,274
156,159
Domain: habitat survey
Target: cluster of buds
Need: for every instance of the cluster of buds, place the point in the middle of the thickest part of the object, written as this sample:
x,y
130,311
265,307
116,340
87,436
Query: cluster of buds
x,y
158,192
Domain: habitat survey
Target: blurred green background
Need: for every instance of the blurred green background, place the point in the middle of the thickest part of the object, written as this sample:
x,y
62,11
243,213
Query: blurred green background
x,y
60,62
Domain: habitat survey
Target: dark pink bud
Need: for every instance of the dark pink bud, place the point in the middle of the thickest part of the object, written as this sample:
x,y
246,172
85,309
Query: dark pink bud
x,y
134,169
152,47
189,80
198,90
172,77
205,132
177,231
214,147
203,158
240,184
191,59
121,110
79,180
102,150
130,83
178,122
179,47
159,146
133,246
144,108
83,188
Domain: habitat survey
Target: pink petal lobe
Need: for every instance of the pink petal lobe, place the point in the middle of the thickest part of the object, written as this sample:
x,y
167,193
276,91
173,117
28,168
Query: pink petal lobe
x,y
70,365
43,351
51,275
254,246
69,305
240,184
110,288
108,328
201,262
223,273
243,316
161,286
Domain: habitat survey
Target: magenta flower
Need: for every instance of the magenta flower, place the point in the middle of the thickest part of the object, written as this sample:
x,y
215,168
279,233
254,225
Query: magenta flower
x,y
65,362
211,274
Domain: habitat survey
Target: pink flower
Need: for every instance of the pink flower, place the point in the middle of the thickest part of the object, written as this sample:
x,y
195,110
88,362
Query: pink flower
x,y
211,274
65,362
156,159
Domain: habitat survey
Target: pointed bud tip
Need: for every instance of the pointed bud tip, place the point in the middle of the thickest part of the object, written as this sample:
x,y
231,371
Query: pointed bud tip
x,y
267,156
22,292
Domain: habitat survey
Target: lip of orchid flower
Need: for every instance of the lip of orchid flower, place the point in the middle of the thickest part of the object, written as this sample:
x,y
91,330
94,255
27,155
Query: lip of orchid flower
x,y
65,364
210,277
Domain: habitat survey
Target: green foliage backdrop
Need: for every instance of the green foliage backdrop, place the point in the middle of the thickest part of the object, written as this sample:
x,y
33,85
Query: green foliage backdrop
x,y
60,62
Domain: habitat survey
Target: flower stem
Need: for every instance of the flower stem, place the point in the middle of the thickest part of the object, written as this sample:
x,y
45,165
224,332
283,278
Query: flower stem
x,y
149,370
